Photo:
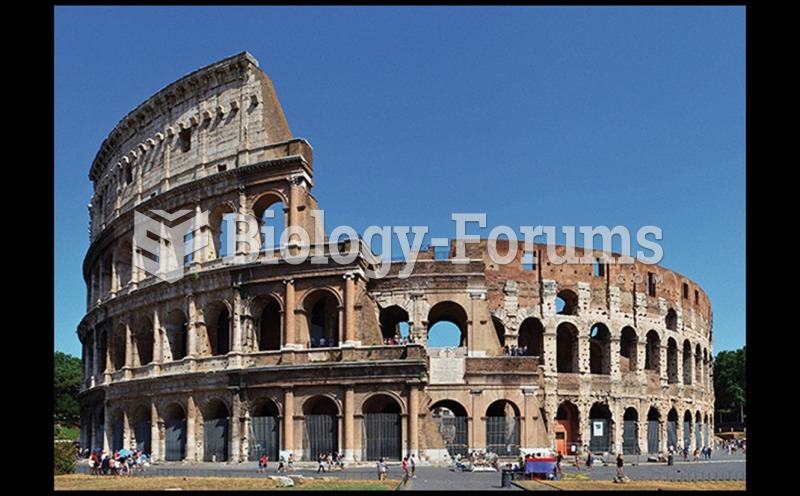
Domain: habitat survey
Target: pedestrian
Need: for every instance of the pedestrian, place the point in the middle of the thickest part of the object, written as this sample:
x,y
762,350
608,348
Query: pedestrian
x,y
620,463
589,460
559,459
262,463
321,463
384,469
405,466
577,461
290,462
413,463
281,467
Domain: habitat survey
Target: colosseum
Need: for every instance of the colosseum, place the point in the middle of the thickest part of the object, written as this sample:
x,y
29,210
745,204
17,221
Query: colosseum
x,y
237,359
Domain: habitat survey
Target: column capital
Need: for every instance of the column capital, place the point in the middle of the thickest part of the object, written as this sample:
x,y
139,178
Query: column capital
x,y
288,281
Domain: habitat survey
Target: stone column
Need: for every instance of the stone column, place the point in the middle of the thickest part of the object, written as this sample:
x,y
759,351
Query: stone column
x,y
583,353
288,421
289,339
108,430
128,346
292,208
472,419
236,317
584,425
237,422
413,419
114,282
349,414
350,338
157,444
614,355
192,328
158,344
662,359
549,343
191,430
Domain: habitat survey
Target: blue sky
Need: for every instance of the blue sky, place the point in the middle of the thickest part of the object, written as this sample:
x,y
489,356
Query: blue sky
x,y
561,116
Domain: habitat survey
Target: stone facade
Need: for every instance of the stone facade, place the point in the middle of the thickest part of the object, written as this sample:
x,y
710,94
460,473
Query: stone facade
x,y
222,364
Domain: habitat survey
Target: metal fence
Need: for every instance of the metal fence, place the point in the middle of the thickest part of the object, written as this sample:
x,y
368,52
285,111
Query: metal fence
x,y
143,433
672,434
320,435
382,436
215,437
502,436
454,432
175,440
653,437
264,438
116,434
600,438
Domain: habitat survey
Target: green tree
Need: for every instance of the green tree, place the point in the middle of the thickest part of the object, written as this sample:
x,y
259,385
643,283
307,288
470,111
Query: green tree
x,y
729,380
66,386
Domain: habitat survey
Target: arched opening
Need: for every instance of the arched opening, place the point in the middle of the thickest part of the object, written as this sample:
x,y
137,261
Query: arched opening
x,y
143,341
652,356
671,320
222,232
698,430
672,429
175,328
320,427
502,428
698,365
653,433
627,350
124,259
218,328
116,348
531,337
216,426
601,424
105,276
174,433
117,431
600,350
567,348
630,431
269,210
687,362
687,428
269,326
499,331
383,429
447,325
672,361
393,321
706,379
706,440
322,309
567,432
141,428
567,302
451,419
264,431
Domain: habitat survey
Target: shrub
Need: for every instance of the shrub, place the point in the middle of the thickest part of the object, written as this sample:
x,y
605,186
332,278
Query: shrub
x,y
63,458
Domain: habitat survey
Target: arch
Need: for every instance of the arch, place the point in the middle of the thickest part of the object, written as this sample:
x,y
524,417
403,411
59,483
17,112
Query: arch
x,y
499,330
116,347
391,319
265,429
452,312
671,320
698,430
106,272
502,428
174,432
601,425
630,431
652,358
687,428
222,231
567,430
687,362
698,364
451,418
628,344
653,431
600,349
175,327
322,310
672,429
117,429
672,361
216,431
531,337
269,209
567,348
269,326
320,426
567,302
141,428
218,328
382,428
124,263
143,341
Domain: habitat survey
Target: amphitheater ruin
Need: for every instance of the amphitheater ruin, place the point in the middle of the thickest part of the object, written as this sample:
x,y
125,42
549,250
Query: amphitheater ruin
x,y
235,360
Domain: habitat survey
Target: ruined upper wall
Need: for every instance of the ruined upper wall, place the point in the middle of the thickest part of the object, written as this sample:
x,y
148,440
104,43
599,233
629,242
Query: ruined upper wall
x,y
217,118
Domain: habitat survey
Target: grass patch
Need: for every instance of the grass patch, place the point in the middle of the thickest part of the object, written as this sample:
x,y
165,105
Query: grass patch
x,y
607,485
80,482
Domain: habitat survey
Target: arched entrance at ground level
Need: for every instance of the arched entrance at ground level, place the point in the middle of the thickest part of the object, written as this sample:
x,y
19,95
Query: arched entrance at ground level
x,y
216,427
447,325
451,419
264,432
320,427
141,428
382,435
698,430
653,434
672,429
567,441
502,428
600,425
117,431
687,429
630,432
174,433
705,432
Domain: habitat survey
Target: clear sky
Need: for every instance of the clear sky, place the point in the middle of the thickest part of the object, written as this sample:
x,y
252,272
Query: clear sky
x,y
562,116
